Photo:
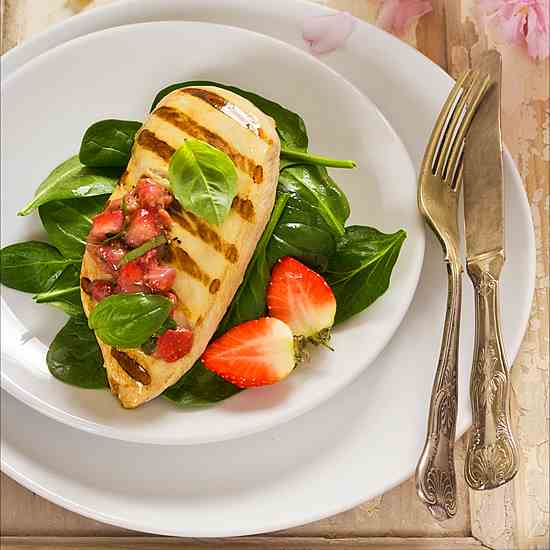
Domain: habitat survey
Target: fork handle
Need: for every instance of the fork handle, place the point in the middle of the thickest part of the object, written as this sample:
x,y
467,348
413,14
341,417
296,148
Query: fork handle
x,y
492,457
435,472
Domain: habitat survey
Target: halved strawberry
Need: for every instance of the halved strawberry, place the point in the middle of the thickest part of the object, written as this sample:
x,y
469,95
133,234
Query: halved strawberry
x,y
302,299
254,353
174,344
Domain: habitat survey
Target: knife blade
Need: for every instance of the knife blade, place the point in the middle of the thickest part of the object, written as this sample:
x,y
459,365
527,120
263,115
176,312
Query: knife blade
x,y
482,177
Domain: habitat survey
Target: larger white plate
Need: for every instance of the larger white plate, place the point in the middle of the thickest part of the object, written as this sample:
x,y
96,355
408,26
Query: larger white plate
x,y
358,444
116,73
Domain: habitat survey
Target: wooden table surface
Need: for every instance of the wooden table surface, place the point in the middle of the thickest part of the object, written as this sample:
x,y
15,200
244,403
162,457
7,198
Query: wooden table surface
x,y
515,516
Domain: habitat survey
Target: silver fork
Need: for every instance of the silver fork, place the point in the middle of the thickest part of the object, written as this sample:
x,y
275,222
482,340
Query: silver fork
x,y
438,194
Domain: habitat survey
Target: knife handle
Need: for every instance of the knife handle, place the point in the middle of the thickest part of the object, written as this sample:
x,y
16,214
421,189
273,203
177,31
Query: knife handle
x,y
435,472
492,457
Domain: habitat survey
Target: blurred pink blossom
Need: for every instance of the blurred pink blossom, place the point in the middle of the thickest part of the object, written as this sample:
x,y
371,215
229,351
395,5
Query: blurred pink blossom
x,y
326,33
396,15
522,22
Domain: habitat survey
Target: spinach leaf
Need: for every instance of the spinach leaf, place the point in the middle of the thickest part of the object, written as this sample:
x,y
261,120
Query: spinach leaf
x,y
290,126
65,293
32,266
203,180
68,223
312,185
291,156
129,320
108,143
70,180
141,250
198,387
360,270
74,356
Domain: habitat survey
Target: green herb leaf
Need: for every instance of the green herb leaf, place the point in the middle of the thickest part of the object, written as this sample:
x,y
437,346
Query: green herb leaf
x,y
203,180
74,356
199,387
68,223
290,126
360,270
108,143
32,266
291,156
71,180
129,320
144,248
65,293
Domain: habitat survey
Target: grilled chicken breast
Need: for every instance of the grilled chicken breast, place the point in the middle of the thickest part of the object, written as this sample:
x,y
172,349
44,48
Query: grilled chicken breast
x,y
210,260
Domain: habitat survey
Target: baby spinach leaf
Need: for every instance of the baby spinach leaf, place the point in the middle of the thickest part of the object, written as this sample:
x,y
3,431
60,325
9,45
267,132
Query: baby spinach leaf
x,y
360,270
108,143
74,356
199,387
291,156
129,320
70,180
65,293
290,126
203,180
68,222
312,185
31,266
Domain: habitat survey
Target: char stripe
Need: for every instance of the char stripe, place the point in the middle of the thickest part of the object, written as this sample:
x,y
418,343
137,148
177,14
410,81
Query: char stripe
x,y
149,141
131,367
189,266
185,123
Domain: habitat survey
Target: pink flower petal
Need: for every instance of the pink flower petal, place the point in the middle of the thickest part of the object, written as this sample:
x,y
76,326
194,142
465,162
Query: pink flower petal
x,y
396,15
327,33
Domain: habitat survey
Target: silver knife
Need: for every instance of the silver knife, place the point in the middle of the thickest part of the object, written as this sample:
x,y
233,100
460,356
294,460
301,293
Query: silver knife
x,y
492,456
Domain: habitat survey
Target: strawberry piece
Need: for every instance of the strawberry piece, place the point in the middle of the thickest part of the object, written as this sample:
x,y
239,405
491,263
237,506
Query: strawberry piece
x,y
254,353
174,344
151,194
131,278
106,224
143,226
100,289
160,278
302,299
108,255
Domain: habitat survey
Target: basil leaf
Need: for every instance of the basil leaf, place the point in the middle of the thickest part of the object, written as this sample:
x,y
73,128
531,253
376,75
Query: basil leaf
x,y
68,223
129,320
70,180
199,387
108,143
203,180
74,356
291,156
290,126
32,266
141,250
360,270
65,293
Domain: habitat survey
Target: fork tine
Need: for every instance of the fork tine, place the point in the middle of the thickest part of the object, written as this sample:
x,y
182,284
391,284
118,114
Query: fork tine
x,y
454,120
439,126
476,95
456,181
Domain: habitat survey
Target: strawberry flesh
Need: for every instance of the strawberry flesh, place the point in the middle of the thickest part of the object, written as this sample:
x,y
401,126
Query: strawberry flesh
x,y
109,222
131,278
255,353
160,278
174,344
302,299
151,194
144,225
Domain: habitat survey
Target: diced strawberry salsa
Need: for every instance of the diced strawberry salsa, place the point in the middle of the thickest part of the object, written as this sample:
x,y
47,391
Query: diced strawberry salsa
x,y
124,225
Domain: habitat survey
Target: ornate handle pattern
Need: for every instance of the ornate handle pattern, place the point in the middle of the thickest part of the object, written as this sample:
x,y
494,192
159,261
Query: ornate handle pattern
x,y
492,456
435,473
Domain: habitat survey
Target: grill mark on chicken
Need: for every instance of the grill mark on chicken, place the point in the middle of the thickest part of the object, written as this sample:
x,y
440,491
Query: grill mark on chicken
x,y
149,141
230,109
189,266
214,286
243,207
131,367
196,227
184,122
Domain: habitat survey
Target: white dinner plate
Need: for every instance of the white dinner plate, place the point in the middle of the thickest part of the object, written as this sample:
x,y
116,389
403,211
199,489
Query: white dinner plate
x,y
362,441
92,78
